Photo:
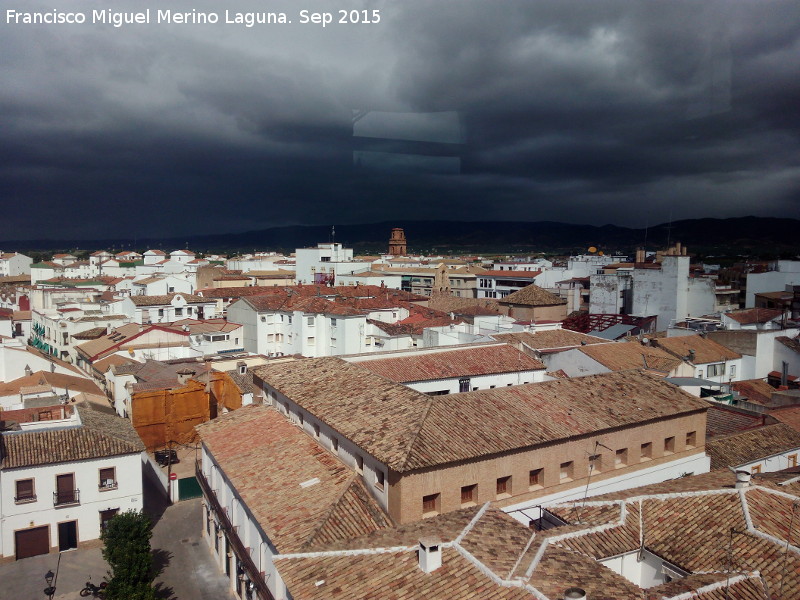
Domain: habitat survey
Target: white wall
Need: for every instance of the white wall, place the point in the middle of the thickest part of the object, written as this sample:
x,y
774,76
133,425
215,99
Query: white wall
x,y
127,496
787,273
250,532
480,382
695,464
770,464
574,363
640,568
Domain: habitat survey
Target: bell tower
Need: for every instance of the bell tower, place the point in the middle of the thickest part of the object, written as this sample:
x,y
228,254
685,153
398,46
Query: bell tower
x,y
397,242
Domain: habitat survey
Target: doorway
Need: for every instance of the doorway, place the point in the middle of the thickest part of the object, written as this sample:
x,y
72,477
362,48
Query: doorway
x,y
67,536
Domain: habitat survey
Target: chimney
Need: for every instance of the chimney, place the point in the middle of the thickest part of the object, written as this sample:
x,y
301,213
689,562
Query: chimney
x,y
575,593
29,371
184,375
742,479
784,373
692,354
430,554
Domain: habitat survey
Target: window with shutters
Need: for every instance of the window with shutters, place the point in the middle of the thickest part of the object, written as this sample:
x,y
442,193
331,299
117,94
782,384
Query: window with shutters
x,y
536,479
430,505
504,486
108,479
469,495
107,515
25,491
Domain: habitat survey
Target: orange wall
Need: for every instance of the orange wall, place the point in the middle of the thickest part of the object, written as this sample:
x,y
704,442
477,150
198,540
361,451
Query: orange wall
x,y
170,415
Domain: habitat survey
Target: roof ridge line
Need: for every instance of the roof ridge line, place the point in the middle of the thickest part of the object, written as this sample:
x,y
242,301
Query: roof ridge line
x,y
419,429
327,514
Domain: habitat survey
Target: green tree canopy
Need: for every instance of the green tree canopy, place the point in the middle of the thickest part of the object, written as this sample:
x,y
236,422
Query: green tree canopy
x,y
126,540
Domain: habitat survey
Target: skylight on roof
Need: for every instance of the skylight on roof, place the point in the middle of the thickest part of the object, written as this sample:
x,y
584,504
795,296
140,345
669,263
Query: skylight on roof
x,y
310,482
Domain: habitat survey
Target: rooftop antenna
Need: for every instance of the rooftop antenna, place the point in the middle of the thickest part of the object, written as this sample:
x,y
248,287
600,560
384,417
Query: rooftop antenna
x,y
333,234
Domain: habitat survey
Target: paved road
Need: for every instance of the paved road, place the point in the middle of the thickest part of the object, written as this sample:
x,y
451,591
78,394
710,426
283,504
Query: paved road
x,y
187,569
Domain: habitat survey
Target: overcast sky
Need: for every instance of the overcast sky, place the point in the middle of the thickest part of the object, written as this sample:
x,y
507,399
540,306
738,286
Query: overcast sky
x,y
589,112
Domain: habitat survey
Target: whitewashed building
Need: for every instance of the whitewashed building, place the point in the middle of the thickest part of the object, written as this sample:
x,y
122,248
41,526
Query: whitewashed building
x,y
14,263
168,308
323,263
454,369
781,274
61,480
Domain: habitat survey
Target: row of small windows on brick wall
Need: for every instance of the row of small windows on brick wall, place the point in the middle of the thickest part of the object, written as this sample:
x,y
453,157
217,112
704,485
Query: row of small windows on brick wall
x,y
431,503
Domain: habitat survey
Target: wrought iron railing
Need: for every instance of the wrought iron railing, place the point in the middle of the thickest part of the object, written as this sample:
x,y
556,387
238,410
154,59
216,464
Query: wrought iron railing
x,y
241,552
68,497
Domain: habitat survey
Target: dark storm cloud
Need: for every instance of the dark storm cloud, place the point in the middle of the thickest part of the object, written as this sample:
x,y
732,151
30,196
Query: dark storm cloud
x,y
596,112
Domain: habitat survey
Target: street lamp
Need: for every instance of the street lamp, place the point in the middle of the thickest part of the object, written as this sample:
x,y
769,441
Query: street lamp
x,y
49,590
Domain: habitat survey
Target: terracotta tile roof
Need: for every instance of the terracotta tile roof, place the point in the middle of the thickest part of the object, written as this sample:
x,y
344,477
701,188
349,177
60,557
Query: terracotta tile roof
x,y
50,380
706,350
722,421
532,295
789,415
689,522
757,391
414,325
749,316
462,362
408,430
235,292
279,274
259,440
9,279
231,277
103,365
90,334
99,435
631,355
551,339
511,274
166,299
791,343
753,445
313,304
149,280
244,381
123,337
205,326
465,306
781,295
493,556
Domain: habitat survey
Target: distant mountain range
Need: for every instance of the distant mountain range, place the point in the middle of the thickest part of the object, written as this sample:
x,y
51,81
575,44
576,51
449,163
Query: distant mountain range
x,y
754,236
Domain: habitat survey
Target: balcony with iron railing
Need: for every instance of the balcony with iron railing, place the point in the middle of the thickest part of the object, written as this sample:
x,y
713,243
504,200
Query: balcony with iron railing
x,y
67,498
242,553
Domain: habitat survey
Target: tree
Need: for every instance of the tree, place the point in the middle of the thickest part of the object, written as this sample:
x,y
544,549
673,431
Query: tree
x,y
126,540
